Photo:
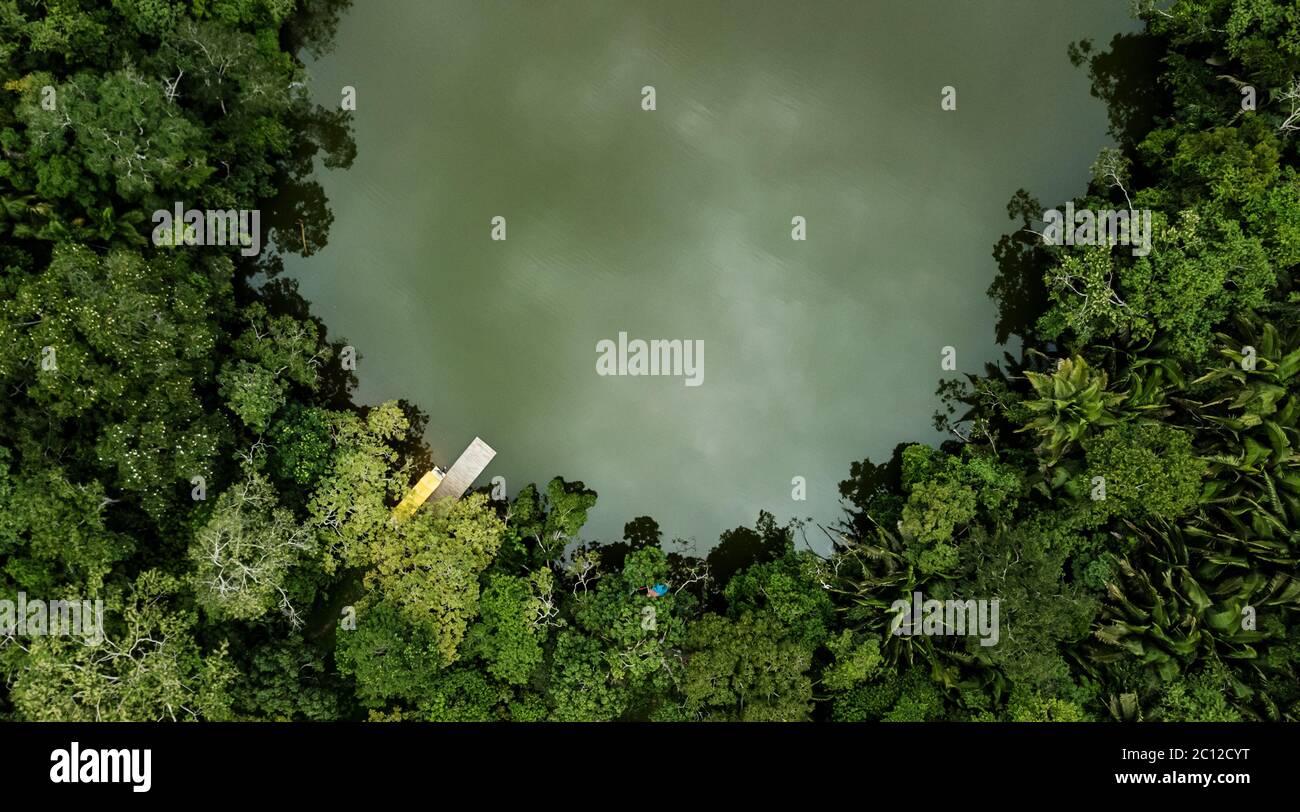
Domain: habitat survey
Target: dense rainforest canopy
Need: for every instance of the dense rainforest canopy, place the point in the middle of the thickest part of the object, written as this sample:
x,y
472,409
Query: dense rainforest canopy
x,y
177,437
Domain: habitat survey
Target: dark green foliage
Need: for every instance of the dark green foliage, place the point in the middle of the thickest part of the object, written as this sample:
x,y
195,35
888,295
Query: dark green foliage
x,y
1149,471
749,669
389,658
869,702
287,680
301,445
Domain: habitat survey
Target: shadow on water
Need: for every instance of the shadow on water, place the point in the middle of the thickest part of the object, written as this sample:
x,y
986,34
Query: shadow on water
x,y
298,219
313,26
1123,77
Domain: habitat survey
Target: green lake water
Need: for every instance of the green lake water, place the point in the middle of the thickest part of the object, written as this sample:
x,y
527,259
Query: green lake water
x,y
676,224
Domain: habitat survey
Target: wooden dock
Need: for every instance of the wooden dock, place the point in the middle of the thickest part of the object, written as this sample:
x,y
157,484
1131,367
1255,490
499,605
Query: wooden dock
x,y
449,485
465,470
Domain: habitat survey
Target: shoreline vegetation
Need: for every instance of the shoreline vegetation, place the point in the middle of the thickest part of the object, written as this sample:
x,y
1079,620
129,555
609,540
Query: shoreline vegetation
x,y
179,442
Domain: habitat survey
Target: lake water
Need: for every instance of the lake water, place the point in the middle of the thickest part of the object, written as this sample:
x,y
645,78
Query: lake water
x,y
676,223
